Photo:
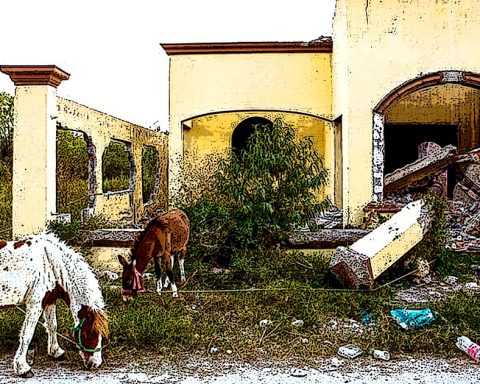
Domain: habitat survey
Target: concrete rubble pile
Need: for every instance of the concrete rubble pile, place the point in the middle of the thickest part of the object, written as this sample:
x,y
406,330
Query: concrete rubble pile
x,y
430,174
360,263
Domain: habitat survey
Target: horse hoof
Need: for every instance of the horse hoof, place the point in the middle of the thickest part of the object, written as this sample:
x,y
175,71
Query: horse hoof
x,y
27,375
59,358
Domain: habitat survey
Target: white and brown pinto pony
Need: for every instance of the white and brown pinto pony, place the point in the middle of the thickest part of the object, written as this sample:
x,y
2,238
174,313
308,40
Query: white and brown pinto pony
x,y
164,237
37,271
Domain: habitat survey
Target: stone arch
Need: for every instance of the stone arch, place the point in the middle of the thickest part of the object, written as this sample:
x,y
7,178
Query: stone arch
x,y
468,79
464,78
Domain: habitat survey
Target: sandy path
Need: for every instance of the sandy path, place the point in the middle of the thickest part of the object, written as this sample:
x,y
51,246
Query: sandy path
x,y
361,370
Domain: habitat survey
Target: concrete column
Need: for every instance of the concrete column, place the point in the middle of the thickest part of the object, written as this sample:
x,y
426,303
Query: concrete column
x,y
34,146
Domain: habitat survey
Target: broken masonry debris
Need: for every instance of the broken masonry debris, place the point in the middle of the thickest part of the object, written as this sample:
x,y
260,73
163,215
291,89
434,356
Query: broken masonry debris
x,y
469,347
412,318
362,262
436,161
349,351
427,173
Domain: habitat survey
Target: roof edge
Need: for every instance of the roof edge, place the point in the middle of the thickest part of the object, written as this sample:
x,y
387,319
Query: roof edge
x,y
322,45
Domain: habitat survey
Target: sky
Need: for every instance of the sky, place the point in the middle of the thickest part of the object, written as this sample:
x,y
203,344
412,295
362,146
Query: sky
x,y
112,48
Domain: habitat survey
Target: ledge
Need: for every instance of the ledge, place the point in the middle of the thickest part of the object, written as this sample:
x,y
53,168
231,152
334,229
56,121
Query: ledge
x,y
323,45
326,238
35,74
116,238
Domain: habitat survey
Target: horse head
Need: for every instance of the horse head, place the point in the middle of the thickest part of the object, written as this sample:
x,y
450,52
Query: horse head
x,y
89,334
132,280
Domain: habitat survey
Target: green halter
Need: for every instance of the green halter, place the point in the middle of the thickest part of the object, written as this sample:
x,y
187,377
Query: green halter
x,y
80,345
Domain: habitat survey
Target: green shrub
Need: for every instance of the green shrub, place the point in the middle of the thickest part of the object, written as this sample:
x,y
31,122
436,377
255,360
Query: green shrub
x,y
116,167
271,185
257,195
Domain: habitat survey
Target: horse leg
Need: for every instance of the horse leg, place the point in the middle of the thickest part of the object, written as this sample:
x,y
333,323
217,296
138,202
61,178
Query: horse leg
x,y
169,267
181,261
20,365
158,274
167,280
54,350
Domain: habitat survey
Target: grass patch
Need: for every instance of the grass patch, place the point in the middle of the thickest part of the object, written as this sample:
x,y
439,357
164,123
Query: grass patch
x,y
163,327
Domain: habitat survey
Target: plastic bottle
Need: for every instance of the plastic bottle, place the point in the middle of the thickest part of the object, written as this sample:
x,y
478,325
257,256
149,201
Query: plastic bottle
x,y
382,355
469,347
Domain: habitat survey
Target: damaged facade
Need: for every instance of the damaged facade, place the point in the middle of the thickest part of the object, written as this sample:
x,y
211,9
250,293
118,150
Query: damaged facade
x,y
394,77
391,102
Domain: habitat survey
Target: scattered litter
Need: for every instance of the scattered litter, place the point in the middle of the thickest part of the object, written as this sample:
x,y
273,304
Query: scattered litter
x,y
197,302
349,351
264,323
452,280
471,287
105,275
412,318
475,267
213,350
297,372
381,355
336,362
229,351
297,323
304,340
469,347
367,317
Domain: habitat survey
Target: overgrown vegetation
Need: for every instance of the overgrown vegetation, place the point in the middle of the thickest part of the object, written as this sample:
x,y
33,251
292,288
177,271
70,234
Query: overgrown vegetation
x,y
72,173
116,167
257,195
160,326
6,159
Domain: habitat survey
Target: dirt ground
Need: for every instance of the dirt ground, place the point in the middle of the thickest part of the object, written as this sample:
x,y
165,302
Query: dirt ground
x,y
364,369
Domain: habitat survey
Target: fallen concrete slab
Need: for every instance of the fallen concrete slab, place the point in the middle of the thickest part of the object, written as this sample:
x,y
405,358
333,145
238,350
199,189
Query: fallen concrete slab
x,y
436,161
361,263
431,165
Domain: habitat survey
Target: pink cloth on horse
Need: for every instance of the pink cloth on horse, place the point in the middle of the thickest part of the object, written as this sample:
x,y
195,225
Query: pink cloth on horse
x,y
137,286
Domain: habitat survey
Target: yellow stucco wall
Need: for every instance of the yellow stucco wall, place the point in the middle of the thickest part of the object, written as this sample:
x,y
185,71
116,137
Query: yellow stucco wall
x,y
379,45
101,128
214,83
212,134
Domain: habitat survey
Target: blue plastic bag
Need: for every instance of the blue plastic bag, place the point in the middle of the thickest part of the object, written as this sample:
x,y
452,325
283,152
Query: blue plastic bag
x,y
412,318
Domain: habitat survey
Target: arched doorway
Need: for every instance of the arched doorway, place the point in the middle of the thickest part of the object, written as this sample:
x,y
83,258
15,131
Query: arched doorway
x,y
441,107
245,129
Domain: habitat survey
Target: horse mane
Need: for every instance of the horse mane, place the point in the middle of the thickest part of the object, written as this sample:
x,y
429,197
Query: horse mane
x,y
100,324
158,222
81,273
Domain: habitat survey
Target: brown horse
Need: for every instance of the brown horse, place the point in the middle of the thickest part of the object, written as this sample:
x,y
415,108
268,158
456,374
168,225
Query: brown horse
x,y
164,236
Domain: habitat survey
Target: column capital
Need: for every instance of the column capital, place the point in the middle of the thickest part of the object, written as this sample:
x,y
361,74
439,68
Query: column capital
x,y
35,74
